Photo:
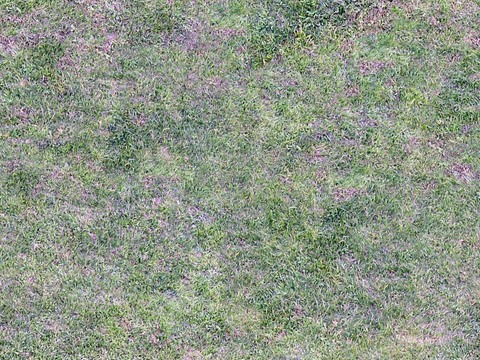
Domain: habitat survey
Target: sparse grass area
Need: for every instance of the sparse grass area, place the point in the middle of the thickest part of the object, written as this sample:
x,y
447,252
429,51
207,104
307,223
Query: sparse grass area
x,y
234,179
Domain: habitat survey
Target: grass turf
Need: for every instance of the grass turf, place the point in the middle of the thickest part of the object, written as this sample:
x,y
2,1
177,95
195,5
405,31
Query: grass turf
x,y
239,179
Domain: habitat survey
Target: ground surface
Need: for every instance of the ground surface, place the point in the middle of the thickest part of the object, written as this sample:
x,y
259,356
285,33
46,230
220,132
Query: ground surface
x,y
239,179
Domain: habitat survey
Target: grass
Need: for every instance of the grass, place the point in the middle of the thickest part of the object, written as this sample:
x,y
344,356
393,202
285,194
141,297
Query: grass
x,y
239,179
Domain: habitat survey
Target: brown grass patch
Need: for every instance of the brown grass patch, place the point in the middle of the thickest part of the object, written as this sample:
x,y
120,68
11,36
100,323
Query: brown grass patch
x,y
427,335
473,39
345,194
372,67
377,18
352,91
464,173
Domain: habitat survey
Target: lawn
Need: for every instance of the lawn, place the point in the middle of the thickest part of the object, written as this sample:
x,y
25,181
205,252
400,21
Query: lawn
x,y
239,179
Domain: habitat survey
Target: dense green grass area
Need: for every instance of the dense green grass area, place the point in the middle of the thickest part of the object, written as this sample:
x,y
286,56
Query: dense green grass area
x,y
239,179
